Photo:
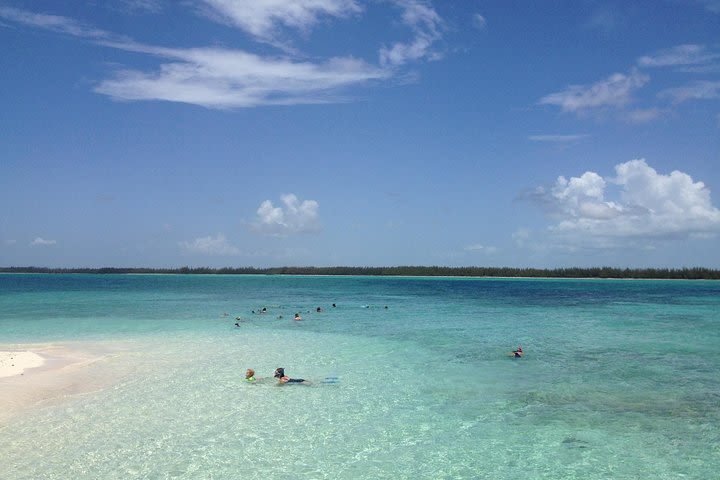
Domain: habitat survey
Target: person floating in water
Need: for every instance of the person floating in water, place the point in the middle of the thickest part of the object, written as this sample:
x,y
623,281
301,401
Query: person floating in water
x,y
297,317
517,353
250,375
282,378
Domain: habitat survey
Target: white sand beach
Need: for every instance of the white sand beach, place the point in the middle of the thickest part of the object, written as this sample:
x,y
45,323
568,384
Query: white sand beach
x,y
15,363
33,374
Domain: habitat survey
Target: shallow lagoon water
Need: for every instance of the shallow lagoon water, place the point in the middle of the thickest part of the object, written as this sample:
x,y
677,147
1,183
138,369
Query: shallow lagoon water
x,y
619,380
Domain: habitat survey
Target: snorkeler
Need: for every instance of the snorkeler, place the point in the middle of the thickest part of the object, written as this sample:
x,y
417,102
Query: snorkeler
x,y
282,378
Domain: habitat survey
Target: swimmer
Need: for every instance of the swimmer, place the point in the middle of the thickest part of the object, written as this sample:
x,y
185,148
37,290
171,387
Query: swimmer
x,y
282,378
517,353
297,317
319,309
250,375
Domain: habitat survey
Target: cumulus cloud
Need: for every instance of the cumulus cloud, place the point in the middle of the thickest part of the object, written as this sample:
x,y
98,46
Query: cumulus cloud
x,y
210,245
650,205
41,242
290,218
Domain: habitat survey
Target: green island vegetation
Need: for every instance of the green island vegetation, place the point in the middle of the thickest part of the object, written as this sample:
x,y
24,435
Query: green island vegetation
x,y
694,273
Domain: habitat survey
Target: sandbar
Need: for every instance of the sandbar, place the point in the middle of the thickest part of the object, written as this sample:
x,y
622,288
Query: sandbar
x,y
15,363
32,375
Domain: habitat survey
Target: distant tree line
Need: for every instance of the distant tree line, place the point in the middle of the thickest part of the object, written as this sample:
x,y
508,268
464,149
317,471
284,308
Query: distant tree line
x,y
695,273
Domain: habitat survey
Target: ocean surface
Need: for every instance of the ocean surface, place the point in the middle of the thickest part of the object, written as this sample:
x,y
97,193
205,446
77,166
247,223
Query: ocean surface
x,y
620,380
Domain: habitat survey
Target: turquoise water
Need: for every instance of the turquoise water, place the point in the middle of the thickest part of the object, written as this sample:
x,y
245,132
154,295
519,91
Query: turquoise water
x,y
620,378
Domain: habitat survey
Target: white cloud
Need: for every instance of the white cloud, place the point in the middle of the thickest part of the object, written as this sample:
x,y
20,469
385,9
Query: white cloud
x,y
294,217
426,25
650,206
584,197
41,242
681,55
704,90
209,245
226,78
614,91
479,21
263,18
221,78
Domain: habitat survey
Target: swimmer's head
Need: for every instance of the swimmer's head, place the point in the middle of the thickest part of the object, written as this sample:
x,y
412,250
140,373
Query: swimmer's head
x,y
279,372
249,373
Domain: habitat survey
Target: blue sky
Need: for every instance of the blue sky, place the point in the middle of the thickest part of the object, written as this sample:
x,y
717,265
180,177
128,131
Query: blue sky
x,y
345,132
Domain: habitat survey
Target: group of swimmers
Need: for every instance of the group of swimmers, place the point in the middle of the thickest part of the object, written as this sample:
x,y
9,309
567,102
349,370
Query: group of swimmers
x,y
264,310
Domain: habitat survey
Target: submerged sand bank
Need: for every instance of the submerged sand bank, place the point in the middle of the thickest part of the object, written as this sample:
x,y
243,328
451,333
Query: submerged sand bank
x,y
34,374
